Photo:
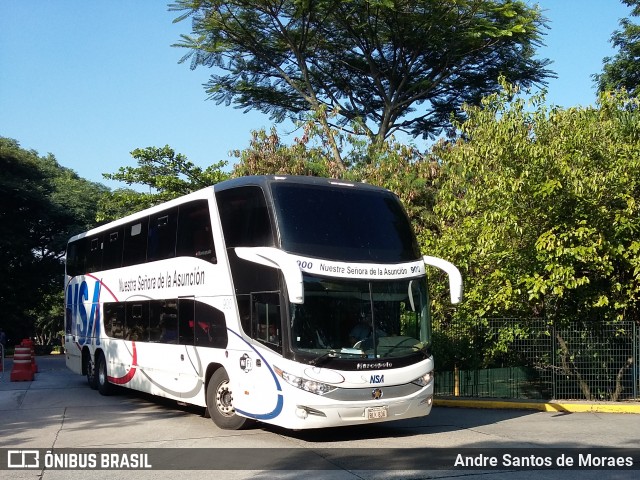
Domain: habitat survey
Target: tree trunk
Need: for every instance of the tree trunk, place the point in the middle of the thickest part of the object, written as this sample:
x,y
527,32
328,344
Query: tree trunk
x,y
570,368
616,393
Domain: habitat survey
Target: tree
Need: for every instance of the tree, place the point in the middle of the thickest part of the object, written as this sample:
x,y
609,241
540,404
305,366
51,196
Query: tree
x,y
268,155
623,70
41,205
384,65
541,208
165,173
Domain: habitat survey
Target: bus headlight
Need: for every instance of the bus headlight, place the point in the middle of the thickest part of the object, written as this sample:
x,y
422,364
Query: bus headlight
x,y
307,385
424,380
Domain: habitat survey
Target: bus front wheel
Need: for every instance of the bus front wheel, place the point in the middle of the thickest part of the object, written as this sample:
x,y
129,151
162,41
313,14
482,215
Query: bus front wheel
x,y
220,402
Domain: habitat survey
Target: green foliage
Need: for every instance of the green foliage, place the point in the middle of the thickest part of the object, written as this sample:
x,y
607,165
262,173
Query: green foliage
x,y
392,65
49,316
539,207
166,174
623,70
42,205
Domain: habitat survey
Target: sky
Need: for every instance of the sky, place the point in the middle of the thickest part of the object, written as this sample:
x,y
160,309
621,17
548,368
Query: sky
x,y
90,81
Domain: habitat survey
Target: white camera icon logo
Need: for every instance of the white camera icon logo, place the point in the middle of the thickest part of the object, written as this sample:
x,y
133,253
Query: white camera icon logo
x,y
23,459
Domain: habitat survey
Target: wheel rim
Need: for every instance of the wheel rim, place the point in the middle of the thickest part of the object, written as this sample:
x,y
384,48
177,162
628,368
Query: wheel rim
x,y
224,399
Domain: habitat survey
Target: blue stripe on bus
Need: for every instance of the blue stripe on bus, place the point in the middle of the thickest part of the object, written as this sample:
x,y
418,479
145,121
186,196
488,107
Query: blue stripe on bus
x,y
265,416
278,408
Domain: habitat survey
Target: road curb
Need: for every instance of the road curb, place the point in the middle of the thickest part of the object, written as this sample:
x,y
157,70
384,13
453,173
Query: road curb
x,y
550,406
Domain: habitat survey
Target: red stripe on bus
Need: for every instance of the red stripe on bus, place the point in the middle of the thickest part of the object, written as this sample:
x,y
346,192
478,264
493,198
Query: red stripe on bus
x,y
132,371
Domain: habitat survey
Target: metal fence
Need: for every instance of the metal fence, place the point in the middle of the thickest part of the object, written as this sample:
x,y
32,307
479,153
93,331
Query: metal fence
x,y
532,359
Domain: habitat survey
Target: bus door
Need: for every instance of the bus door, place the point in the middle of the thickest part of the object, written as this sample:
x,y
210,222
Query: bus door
x,y
190,363
256,376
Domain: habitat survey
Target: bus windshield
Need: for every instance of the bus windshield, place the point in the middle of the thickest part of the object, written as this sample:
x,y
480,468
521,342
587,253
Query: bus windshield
x,y
358,319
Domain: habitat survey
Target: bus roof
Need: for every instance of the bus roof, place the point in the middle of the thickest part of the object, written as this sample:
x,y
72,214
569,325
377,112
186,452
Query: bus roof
x,y
266,180
253,180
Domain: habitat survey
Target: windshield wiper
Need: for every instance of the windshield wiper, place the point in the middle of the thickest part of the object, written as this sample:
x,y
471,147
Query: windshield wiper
x,y
334,353
328,354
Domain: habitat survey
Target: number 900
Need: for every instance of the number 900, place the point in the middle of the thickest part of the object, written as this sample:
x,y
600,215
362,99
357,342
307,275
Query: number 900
x,y
305,265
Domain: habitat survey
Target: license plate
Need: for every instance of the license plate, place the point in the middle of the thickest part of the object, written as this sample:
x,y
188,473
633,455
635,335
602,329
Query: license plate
x,y
375,413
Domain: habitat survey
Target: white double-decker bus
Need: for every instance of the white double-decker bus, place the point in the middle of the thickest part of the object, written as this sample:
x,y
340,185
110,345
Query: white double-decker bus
x,y
300,302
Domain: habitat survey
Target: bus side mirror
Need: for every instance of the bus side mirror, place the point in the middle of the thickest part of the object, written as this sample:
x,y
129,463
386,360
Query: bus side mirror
x,y
272,257
455,279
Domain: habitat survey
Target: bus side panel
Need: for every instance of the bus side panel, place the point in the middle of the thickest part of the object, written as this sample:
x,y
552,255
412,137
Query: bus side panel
x,y
168,370
73,355
72,352
257,391
82,319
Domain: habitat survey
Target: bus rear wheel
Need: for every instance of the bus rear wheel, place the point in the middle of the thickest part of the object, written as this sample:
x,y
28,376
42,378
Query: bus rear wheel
x,y
220,402
90,368
104,387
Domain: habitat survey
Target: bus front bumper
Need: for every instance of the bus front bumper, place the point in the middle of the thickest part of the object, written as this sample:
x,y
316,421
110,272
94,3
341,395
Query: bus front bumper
x,y
317,416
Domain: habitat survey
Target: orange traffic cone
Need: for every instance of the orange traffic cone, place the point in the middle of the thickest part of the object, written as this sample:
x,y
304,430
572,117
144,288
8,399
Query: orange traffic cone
x,y
27,342
22,370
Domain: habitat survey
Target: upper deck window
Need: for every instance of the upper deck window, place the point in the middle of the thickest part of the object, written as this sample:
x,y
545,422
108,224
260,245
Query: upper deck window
x,y
244,217
179,231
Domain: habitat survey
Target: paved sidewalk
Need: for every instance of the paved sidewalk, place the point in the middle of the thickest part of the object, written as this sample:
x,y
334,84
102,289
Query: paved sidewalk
x,y
53,378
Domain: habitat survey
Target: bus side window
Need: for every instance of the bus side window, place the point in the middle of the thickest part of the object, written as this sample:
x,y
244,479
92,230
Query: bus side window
x,y
112,253
195,238
210,326
137,321
265,321
114,320
68,311
135,243
245,217
163,321
186,317
162,235
94,258
76,257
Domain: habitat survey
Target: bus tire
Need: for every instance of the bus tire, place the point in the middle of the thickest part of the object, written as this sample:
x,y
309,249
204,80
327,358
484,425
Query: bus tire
x,y
220,402
90,368
104,387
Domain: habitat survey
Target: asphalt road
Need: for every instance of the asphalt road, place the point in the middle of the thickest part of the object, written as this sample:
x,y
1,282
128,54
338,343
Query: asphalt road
x,y
59,411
